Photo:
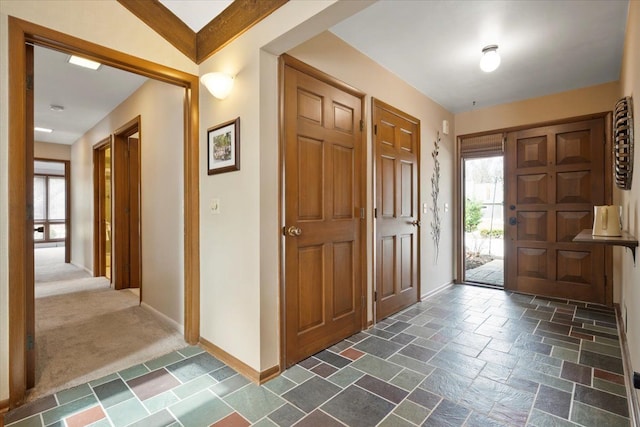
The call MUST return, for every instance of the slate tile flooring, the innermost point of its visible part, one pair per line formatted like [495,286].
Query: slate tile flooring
[467,356]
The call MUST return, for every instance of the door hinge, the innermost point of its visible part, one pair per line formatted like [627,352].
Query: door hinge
[361,125]
[375,212]
[375,296]
[362,301]
[375,129]
[361,213]
[30,343]
[29,81]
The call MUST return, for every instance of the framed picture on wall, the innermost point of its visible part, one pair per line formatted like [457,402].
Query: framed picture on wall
[223,147]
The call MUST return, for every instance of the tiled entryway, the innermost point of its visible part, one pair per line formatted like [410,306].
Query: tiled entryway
[467,356]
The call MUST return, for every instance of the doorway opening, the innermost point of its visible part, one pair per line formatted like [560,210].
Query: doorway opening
[102,208]
[22,36]
[484,220]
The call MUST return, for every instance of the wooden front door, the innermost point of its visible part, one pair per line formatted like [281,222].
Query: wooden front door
[323,190]
[555,175]
[397,171]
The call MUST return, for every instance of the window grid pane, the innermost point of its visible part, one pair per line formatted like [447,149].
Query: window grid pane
[39,197]
[56,198]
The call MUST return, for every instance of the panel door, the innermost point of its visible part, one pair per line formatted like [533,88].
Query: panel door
[323,197]
[555,175]
[397,144]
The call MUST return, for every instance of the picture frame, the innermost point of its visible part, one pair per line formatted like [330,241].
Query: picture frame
[223,147]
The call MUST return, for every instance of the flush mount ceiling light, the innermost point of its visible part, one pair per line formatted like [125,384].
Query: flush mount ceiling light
[43,130]
[54,107]
[84,62]
[490,59]
[218,84]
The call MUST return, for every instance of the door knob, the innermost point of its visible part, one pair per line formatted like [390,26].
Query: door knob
[512,207]
[416,223]
[513,220]
[293,231]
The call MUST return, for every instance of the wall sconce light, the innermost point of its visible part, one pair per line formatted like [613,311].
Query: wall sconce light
[219,84]
[490,59]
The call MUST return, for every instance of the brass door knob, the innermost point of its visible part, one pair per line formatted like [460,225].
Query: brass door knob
[416,223]
[293,231]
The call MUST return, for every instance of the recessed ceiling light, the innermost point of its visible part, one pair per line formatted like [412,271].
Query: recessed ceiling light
[54,107]
[83,62]
[44,130]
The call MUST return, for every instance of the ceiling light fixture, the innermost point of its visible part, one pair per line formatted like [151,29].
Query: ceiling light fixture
[43,130]
[490,59]
[54,107]
[84,62]
[218,84]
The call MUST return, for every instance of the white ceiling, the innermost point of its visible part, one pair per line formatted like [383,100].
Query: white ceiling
[87,96]
[434,45]
[196,13]
[545,46]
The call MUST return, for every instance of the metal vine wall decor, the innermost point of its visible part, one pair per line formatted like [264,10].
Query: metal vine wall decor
[623,142]
[435,192]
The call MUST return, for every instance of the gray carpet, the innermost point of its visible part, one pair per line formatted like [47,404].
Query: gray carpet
[85,330]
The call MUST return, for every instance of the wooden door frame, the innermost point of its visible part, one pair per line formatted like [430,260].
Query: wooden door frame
[286,60]
[98,235]
[20,33]
[607,116]
[67,203]
[120,137]
[375,102]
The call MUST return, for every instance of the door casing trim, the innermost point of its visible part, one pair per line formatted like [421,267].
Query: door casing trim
[20,33]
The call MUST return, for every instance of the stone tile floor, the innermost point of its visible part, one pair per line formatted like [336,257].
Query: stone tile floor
[468,356]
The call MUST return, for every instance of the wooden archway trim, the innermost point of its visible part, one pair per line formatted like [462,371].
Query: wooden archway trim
[20,33]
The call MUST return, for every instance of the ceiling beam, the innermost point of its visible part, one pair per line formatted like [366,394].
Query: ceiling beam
[237,18]
[164,22]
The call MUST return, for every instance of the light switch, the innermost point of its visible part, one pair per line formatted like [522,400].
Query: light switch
[446,207]
[215,206]
[425,208]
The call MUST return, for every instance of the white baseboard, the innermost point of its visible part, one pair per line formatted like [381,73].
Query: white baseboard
[436,291]
[166,319]
[82,267]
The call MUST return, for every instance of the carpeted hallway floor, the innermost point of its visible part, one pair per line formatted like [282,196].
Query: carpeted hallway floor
[85,330]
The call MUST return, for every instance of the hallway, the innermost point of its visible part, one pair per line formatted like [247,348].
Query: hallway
[467,356]
[85,330]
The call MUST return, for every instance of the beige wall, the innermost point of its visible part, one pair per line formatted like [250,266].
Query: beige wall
[239,283]
[574,103]
[160,107]
[92,20]
[626,274]
[47,150]
[330,54]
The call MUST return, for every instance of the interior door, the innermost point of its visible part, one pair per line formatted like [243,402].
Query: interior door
[555,175]
[397,154]
[126,243]
[323,216]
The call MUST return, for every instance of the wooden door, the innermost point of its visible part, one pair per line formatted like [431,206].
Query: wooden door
[323,190]
[555,175]
[126,264]
[397,172]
